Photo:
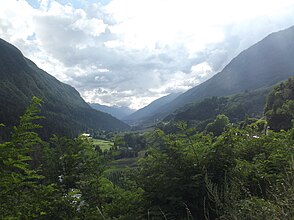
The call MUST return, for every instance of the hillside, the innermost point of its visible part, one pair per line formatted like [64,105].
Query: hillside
[150,110]
[115,111]
[279,109]
[237,107]
[65,111]
[263,64]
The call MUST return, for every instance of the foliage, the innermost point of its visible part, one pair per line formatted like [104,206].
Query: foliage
[279,109]
[122,202]
[236,107]
[218,125]
[102,144]
[59,179]
[20,189]
[239,174]
[127,145]
[170,175]
[227,172]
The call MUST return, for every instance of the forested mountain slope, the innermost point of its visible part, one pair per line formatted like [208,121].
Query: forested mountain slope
[263,64]
[237,107]
[66,113]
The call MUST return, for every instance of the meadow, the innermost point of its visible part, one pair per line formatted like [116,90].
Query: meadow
[103,144]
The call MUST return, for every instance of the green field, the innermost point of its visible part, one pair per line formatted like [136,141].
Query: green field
[103,144]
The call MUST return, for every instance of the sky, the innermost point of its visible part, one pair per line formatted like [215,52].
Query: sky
[131,52]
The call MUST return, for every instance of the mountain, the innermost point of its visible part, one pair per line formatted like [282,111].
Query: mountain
[263,64]
[149,110]
[65,111]
[237,107]
[115,111]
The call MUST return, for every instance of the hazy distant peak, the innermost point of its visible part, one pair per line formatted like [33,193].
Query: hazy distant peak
[116,111]
[151,108]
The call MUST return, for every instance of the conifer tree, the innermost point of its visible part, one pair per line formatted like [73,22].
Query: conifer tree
[18,181]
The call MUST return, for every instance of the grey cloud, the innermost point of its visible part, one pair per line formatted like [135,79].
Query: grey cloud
[129,69]
[134,73]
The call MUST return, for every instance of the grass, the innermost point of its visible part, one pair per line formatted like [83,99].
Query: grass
[103,144]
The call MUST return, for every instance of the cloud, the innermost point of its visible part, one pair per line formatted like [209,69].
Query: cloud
[93,27]
[130,52]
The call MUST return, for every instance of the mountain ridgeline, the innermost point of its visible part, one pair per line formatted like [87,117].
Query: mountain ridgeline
[149,111]
[236,107]
[115,111]
[263,64]
[66,113]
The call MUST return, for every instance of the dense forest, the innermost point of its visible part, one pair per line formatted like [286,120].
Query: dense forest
[243,170]
[238,107]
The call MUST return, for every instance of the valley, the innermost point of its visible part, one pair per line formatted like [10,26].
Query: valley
[223,149]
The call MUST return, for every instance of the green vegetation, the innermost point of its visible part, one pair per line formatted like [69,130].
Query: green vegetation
[124,162]
[236,107]
[102,144]
[219,158]
[218,126]
[228,171]
[280,106]
[58,179]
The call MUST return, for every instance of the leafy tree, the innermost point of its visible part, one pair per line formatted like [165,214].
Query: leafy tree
[239,174]
[260,184]
[75,167]
[172,174]
[279,109]
[218,125]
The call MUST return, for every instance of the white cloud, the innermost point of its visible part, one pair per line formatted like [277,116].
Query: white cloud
[130,52]
[201,69]
[193,24]
[93,27]
[16,20]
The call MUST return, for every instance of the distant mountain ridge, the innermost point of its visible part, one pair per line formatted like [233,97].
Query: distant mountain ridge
[264,64]
[65,111]
[115,111]
[149,110]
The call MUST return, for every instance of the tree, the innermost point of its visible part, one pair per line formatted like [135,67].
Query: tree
[279,109]
[21,193]
[218,125]
[172,175]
